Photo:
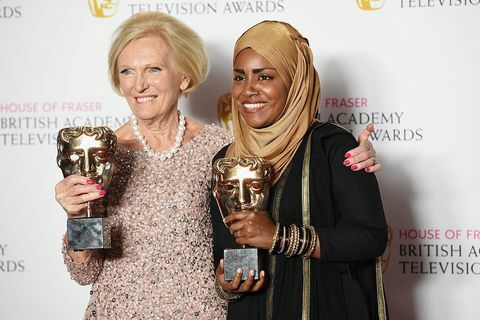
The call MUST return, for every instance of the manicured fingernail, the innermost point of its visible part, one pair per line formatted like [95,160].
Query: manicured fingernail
[251,273]
[347,155]
[354,167]
[98,187]
[346,162]
[103,192]
[367,169]
[239,270]
[262,273]
[89,181]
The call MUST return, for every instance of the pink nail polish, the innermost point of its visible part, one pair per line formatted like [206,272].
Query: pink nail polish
[346,162]
[103,192]
[354,167]
[347,155]
[367,169]
[98,187]
[89,181]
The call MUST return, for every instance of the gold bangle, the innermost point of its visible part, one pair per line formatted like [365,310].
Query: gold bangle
[303,241]
[293,241]
[282,242]
[275,239]
[314,242]
[226,295]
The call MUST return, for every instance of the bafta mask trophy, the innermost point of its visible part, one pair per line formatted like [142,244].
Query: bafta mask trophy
[241,184]
[89,151]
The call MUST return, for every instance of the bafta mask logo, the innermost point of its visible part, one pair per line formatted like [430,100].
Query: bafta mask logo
[241,184]
[224,111]
[89,151]
[370,4]
[103,8]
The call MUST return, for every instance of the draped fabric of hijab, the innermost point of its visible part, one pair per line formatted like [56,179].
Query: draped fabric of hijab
[289,53]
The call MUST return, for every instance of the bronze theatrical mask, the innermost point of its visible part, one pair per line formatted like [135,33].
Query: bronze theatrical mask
[88,151]
[241,184]
[224,111]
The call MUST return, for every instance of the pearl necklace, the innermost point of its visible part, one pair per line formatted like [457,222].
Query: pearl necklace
[164,155]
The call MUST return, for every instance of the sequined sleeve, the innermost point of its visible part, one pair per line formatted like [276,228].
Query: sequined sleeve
[86,272]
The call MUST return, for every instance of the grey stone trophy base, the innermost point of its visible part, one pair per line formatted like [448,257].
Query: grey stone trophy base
[245,258]
[88,233]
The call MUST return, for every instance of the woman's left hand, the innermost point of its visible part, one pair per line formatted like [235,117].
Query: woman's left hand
[253,228]
[364,156]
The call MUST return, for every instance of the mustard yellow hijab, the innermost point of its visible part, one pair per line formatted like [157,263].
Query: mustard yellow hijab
[285,48]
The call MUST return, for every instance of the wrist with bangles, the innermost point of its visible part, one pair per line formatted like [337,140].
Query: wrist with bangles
[293,241]
[226,295]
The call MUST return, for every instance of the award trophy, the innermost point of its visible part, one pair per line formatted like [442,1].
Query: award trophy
[241,184]
[89,151]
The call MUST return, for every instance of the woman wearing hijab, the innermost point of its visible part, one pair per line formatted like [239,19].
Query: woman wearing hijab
[325,225]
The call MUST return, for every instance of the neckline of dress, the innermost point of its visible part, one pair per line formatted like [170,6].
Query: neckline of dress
[181,150]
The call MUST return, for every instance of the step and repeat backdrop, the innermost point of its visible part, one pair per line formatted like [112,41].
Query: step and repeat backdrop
[410,67]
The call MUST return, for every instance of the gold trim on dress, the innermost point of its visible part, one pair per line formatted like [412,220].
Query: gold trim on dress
[272,258]
[382,315]
[306,222]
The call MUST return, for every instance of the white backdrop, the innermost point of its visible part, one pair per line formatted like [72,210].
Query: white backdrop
[411,67]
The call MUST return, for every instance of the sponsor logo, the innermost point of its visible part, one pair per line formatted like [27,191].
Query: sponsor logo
[8,265]
[9,11]
[438,251]
[437,3]
[224,111]
[354,112]
[370,4]
[103,8]
[179,8]
[37,123]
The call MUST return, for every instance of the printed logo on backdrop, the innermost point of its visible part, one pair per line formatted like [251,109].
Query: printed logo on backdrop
[350,112]
[437,3]
[10,10]
[8,264]
[37,123]
[224,111]
[200,7]
[370,4]
[438,251]
[103,8]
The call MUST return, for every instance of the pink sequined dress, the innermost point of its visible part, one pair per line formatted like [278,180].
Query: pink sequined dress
[160,265]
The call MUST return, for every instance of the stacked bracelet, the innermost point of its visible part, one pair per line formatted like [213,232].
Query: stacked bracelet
[276,239]
[293,240]
[226,295]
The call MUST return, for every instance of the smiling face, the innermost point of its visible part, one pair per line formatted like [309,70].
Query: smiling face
[258,89]
[149,79]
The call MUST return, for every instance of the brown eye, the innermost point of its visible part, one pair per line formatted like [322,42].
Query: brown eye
[256,186]
[101,155]
[228,188]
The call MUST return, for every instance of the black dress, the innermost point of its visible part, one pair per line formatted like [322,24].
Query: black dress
[346,210]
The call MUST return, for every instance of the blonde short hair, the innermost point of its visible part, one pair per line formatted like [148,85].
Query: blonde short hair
[187,48]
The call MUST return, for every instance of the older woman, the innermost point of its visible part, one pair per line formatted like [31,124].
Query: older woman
[160,263]
[325,227]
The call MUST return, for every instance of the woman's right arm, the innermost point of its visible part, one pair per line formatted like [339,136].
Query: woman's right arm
[73,193]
